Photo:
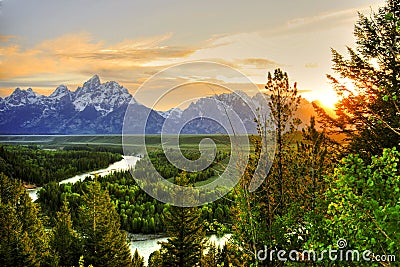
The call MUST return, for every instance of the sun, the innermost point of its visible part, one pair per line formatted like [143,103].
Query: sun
[328,99]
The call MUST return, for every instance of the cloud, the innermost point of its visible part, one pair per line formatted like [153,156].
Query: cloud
[301,46]
[311,65]
[258,63]
[6,38]
[128,52]
[304,21]
[336,16]
[80,55]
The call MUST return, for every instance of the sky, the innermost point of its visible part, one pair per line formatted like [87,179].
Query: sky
[47,43]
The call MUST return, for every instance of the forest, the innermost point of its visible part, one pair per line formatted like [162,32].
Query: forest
[38,166]
[331,197]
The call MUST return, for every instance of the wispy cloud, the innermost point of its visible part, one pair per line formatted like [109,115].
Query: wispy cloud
[258,63]
[311,65]
[305,21]
[79,54]
[336,16]
[6,38]
[300,46]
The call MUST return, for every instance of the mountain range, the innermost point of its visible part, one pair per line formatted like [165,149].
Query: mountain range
[99,108]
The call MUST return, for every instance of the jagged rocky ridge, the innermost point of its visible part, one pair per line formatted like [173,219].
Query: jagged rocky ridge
[99,108]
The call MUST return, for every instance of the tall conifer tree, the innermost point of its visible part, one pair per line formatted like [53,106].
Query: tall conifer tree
[137,260]
[104,244]
[65,240]
[368,83]
[23,239]
[284,102]
[186,235]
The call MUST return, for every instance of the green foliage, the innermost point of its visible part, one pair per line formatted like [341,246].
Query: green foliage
[82,262]
[362,205]
[137,260]
[37,166]
[184,246]
[257,222]
[155,259]
[230,255]
[213,257]
[283,103]
[65,240]
[23,239]
[104,244]
[255,212]
[369,114]
[305,165]
[167,170]
[51,200]
[71,235]
[250,214]
[139,212]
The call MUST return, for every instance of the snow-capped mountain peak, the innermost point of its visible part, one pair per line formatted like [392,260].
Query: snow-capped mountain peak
[175,112]
[103,97]
[22,97]
[93,82]
[93,107]
[60,92]
[100,108]
[17,92]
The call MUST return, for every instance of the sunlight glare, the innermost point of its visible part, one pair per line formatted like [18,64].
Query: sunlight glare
[328,99]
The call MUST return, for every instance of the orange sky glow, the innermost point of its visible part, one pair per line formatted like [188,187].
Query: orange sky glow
[48,50]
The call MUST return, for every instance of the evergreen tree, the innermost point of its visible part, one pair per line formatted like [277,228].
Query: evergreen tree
[50,199]
[65,241]
[231,255]
[284,102]
[16,248]
[212,258]
[103,242]
[250,213]
[186,234]
[255,212]
[305,166]
[369,113]
[268,215]
[23,239]
[313,158]
[137,260]
[155,259]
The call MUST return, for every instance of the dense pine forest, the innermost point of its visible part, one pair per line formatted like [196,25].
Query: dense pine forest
[38,167]
[334,185]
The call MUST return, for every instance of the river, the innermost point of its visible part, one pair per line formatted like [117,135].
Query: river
[145,244]
[124,164]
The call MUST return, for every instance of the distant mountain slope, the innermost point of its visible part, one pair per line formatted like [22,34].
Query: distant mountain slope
[99,108]
[94,108]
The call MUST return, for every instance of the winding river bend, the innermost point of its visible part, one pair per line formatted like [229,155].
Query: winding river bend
[145,244]
[124,164]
